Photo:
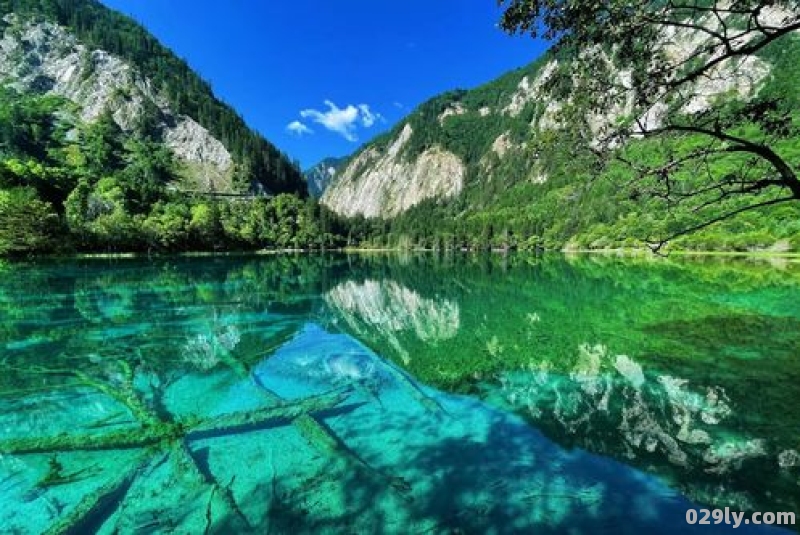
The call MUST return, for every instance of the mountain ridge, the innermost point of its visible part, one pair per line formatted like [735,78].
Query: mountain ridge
[319,176]
[122,148]
[258,164]
[520,177]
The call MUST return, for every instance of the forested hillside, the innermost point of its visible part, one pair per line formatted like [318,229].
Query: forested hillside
[110,143]
[100,28]
[525,177]
[66,187]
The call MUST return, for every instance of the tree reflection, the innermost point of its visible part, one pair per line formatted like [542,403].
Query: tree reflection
[676,395]
[694,379]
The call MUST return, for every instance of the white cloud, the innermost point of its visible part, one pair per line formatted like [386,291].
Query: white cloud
[344,121]
[299,129]
[368,118]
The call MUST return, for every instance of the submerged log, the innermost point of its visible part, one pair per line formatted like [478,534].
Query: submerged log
[97,506]
[125,395]
[324,440]
[117,440]
[283,410]
[139,437]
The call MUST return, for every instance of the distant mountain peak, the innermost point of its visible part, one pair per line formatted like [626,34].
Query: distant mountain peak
[321,175]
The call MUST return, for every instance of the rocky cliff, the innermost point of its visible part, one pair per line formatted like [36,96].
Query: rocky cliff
[486,140]
[44,57]
[101,60]
[320,176]
[379,183]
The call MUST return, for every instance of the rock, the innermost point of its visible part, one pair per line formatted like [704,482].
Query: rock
[379,184]
[43,57]
[528,91]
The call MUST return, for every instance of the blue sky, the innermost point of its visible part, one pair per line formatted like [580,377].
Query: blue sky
[338,71]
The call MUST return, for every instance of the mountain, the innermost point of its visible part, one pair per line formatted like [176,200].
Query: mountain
[496,165]
[109,142]
[102,61]
[320,176]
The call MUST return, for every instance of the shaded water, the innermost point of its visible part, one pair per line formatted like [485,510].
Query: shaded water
[396,394]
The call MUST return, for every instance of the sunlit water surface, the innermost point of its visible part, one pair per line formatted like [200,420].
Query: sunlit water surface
[385,394]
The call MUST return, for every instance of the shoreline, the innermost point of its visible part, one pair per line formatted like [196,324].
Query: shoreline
[633,253]
[684,253]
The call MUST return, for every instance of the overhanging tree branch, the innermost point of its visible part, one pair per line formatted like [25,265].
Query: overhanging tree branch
[787,174]
[676,56]
[657,246]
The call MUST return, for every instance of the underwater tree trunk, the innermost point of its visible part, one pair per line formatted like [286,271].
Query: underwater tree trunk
[91,508]
[282,413]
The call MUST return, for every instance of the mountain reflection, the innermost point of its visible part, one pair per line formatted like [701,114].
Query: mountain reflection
[672,389]
[389,308]
[685,370]
[611,405]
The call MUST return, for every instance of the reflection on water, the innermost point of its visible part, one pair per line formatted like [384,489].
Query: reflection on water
[686,370]
[295,394]
[388,308]
[610,405]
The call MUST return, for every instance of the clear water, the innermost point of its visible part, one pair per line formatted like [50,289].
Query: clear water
[382,394]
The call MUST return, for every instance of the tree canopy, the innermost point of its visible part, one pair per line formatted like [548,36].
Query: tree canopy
[653,63]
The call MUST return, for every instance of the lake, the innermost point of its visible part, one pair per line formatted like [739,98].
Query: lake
[397,394]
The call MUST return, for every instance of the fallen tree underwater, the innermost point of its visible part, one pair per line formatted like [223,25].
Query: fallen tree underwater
[159,438]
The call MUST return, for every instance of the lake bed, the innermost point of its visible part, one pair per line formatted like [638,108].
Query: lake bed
[415,393]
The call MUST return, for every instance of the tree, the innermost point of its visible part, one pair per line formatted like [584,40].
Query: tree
[167,226]
[149,167]
[76,211]
[102,146]
[27,224]
[650,62]
[29,124]
[206,224]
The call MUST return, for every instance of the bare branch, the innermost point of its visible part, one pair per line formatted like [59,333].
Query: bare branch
[656,248]
[746,50]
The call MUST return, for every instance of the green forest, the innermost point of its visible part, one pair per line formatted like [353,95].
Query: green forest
[587,202]
[68,186]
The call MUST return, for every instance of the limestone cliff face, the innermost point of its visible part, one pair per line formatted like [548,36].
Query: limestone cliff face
[320,176]
[467,139]
[381,183]
[44,57]
[394,313]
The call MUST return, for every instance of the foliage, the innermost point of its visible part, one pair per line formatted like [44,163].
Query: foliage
[260,163]
[27,224]
[659,94]
[101,189]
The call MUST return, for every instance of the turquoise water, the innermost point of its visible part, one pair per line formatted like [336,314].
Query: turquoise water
[385,394]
